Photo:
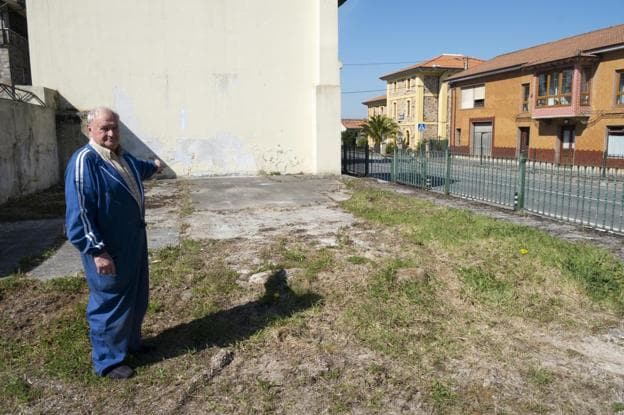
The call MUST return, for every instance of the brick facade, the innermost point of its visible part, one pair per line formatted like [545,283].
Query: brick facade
[541,154]
[504,152]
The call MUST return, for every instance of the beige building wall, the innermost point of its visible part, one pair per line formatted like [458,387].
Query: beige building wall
[426,97]
[213,88]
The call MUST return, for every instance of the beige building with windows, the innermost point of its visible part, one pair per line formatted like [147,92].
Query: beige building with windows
[418,96]
[376,106]
[212,87]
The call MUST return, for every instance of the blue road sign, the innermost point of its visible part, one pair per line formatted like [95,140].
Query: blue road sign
[421,126]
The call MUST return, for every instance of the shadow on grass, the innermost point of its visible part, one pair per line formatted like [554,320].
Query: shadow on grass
[227,327]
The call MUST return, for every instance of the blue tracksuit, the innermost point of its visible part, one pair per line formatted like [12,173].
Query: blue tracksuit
[103,215]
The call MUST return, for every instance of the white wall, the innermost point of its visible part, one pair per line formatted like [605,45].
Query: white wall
[28,152]
[212,87]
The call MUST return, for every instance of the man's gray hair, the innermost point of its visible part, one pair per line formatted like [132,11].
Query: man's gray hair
[95,112]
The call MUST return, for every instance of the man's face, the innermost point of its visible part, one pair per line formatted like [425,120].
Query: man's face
[104,130]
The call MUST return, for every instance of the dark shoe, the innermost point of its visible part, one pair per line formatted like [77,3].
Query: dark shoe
[120,372]
[144,349]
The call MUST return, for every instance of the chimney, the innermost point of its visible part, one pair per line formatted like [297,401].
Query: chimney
[465,63]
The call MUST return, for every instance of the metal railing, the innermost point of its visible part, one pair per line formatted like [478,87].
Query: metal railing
[589,196]
[7,36]
[19,95]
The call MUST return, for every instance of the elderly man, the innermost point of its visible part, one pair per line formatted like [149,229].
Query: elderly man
[105,222]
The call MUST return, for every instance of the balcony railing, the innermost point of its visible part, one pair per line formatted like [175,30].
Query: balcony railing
[19,95]
[8,37]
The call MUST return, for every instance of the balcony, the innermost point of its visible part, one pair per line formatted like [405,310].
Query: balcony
[561,93]
[10,37]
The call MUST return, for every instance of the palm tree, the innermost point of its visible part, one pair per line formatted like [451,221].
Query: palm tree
[379,127]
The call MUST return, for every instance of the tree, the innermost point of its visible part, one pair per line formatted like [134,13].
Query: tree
[349,137]
[379,127]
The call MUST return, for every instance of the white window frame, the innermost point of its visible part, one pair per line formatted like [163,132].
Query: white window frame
[473,96]
[617,149]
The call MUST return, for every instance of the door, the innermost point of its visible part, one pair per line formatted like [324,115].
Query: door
[481,140]
[524,140]
[566,149]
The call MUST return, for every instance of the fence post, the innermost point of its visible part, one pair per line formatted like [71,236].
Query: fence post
[447,179]
[366,160]
[519,202]
[425,175]
[393,171]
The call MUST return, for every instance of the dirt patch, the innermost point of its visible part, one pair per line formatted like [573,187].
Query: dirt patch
[344,314]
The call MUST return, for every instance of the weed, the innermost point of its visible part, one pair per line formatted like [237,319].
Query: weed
[539,376]
[442,396]
[617,407]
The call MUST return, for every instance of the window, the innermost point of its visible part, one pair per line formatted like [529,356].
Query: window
[554,88]
[395,86]
[394,109]
[408,83]
[473,97]
[409,108]
[525,98]
[615,142]
[458,136]
[619,98]
[407,137]
[586,76]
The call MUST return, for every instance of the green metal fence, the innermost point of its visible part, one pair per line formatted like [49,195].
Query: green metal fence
[590,196]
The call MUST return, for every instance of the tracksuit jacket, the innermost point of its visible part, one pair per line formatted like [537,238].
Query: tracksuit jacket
[102,215]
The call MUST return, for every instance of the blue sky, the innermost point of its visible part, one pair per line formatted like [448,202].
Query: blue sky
[409,31]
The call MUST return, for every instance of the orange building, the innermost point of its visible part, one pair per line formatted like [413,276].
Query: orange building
[561,102]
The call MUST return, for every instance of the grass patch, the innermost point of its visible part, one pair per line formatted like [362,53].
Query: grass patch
[357,260]
[397,318]
[185,202]
[63,347]
[499,245]
[15,390]
[66,285]
[486,287]
[46,204]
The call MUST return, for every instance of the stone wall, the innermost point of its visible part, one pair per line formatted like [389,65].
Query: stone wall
[430,109]
[28,149]
[432,85]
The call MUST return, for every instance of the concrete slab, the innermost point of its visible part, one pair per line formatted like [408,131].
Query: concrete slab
[237,193]
[262,207]
[64,263]
[25,239]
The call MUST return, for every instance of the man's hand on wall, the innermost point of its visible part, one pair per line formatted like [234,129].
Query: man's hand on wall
[159,166]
